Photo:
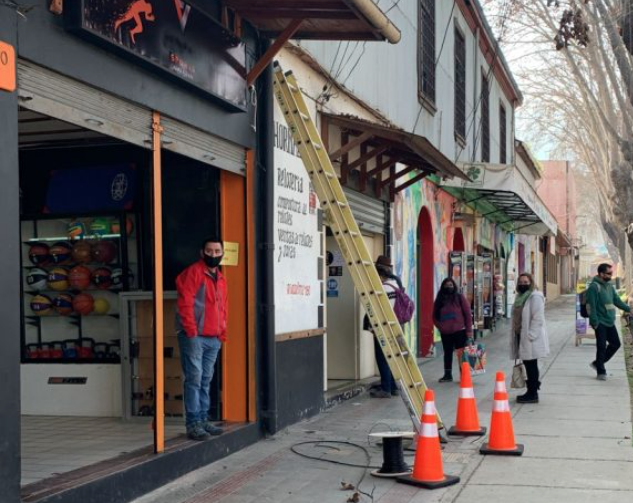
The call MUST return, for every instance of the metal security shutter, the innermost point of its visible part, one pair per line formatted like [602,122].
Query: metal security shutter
[370,213]
[204,147]
[60,97]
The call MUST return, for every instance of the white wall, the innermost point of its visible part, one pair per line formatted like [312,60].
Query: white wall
[386,77]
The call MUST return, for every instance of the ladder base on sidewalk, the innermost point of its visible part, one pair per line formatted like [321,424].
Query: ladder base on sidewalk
[518,451]
[449,480]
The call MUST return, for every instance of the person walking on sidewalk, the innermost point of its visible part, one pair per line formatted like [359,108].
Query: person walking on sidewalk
[452,317]
[529,340]
[390,283]
[201,326]
[602,299]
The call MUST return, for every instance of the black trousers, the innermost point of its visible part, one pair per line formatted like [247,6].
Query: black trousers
[607,344]
[451,342]
[531,369]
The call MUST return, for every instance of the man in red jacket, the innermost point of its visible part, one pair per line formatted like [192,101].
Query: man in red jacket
[201,325]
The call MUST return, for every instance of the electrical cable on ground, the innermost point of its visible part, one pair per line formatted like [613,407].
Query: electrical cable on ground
[365,467]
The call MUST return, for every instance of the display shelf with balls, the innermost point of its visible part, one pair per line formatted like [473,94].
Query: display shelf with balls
[74,268]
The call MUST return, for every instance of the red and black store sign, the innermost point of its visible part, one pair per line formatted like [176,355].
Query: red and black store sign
[172,36]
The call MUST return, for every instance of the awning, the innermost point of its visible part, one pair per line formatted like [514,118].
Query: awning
[381,148]
[320,19]
[503,195]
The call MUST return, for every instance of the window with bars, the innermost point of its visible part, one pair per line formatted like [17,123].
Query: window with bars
[426,50]
[460,84]
[503,140]
[485,119]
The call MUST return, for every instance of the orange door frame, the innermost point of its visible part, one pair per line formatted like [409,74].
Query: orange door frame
[158,297]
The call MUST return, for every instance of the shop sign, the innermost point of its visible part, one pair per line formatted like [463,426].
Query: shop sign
[7,67]
[297,238]
[231,254]
[171,36]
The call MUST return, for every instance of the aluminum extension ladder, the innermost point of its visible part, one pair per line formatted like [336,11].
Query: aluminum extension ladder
[338,215]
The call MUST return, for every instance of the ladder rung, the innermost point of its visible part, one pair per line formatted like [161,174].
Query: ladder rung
[330,175]
[294,89]
[317,146]
[392,323]
[367,262]
[304,116]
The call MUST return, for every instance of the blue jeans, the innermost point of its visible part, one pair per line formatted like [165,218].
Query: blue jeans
[387,382]
[197,356]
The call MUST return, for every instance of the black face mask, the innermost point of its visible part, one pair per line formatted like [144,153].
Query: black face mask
[449,289]
[212,262]
[523,288]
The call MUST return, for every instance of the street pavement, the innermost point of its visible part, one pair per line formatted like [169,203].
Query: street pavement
[577,441]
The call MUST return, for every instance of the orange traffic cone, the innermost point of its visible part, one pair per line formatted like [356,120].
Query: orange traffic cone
[428,471]
[501,440]
[467,422]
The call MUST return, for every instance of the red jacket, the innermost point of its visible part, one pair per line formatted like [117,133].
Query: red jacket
[203,304]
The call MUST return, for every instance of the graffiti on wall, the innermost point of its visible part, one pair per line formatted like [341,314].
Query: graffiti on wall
[407,207]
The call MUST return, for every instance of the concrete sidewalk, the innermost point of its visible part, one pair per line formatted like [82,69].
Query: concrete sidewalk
[577,442]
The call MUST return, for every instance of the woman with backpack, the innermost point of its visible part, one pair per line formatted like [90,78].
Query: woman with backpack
[452,317]
[391,283]
[529,340]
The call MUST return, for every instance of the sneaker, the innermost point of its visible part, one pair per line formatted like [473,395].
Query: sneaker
[593,366]
[197,432]
[379,394]
[446,378]
[211,429]
[602,377]
[527,398]
[395,392]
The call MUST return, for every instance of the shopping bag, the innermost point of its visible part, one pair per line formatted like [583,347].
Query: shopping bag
[518,376]
[474,355]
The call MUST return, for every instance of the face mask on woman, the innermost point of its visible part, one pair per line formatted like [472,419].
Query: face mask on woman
[449,289]
[523,288]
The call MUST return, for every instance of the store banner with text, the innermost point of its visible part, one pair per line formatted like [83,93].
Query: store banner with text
[297,247]
[171,36]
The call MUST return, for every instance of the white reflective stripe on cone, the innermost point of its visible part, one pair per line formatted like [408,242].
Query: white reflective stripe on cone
[500,386]
[466,393]
[501,406]
[429,430]
[429,409]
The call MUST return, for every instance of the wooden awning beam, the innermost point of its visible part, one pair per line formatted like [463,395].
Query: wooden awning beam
[382,165]
[366,157]
[413,180]
[337,154]
[273,50]
[397,175]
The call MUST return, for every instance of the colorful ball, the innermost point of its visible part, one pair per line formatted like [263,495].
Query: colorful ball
[63,304]
[61,253]
[101,306]
[102,278]
[58,279]
[41,305]
[129,226]
[76,230]
[100,226]
[104,251]
[82,252]
[79,277]
[40,254]
[83,303]
[118,277]
[37,279]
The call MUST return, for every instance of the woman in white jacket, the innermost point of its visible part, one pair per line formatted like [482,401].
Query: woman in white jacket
[529,340]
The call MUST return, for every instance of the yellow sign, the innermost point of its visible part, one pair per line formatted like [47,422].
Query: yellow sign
[231,253]
[7,67]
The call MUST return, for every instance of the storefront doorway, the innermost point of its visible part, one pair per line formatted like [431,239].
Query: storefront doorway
[87,373]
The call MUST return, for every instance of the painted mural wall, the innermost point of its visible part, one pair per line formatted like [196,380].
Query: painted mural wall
[407,207]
